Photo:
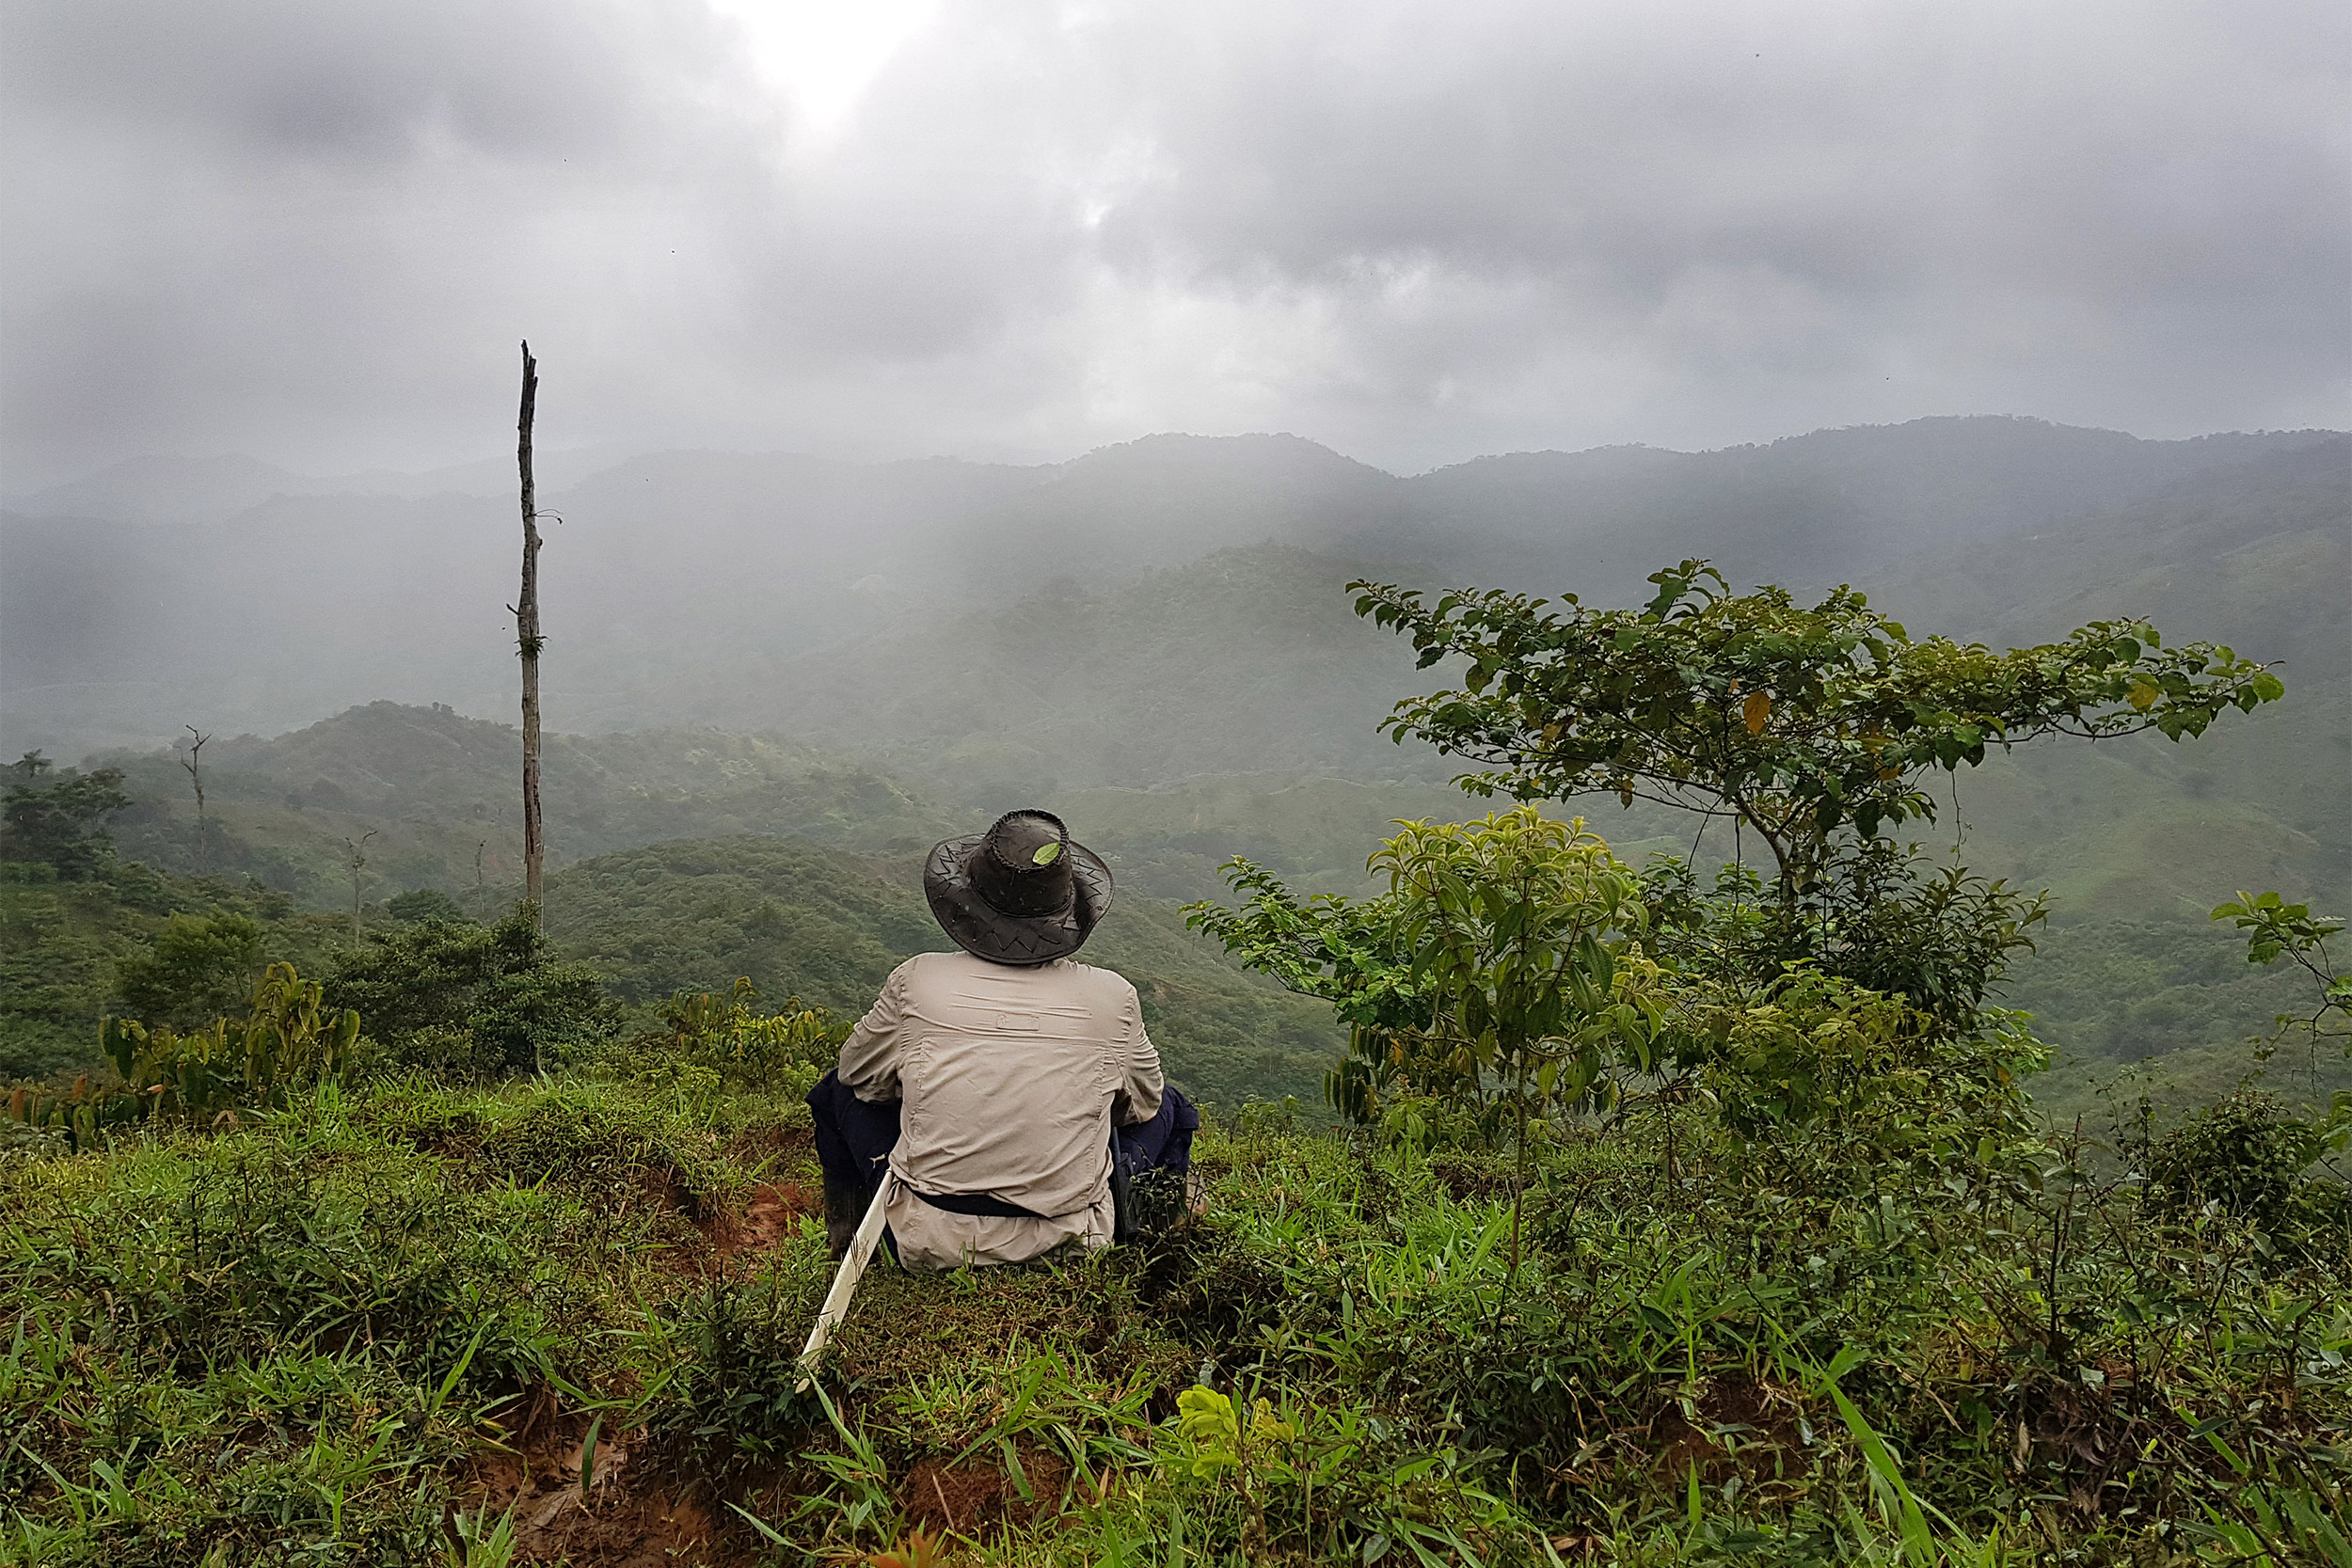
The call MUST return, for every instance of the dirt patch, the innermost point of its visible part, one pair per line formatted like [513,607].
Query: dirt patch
[734,1241]
[669,1193]
[628,1516]
[1743,1426]
[978,1495]
[1472,1179]
[772,1216]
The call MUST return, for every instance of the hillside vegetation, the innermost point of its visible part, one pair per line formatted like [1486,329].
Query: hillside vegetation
[428,1320]
[1684,1211]
[797,920]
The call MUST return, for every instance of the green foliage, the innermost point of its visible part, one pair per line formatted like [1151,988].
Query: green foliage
[2274,930]
[63,946]
[81,1115]
[1797,721]
[60,822]
[201,966]
[1941,940]
[424,903]
[1353,955]
[787,1049]
[2253,1160]
[1516,925]
[288,1041]
[1814,1068]
[500,985]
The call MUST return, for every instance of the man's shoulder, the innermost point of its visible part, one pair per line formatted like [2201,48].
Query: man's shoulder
[1091,978]
[1107,980]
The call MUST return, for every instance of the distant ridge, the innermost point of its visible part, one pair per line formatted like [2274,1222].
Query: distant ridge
[679,586]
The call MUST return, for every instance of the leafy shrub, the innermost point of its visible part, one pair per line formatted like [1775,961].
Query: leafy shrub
[788,1049]
[425,903]
[440,1051]
[58,822]
[202,967]
[499,984]
[1938,939]
[2248,1156]
[288,1040]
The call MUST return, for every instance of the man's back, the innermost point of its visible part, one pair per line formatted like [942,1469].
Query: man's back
[1011,1076]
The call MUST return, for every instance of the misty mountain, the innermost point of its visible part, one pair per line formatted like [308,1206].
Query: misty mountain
[678,586]
[1216,689]
[157,489]
[1246,661]
[437,792]
[1809,511]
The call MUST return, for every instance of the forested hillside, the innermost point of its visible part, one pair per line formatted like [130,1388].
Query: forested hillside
[1226,700]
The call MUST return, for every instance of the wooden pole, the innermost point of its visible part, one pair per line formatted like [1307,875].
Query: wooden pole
[528,641]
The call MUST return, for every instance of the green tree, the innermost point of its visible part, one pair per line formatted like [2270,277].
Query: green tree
[1350,953]
[498,983]
[1795,723]
[2277,929]
[202,967]
[1497,974]
[1517,924]
[60,822]
[424,903]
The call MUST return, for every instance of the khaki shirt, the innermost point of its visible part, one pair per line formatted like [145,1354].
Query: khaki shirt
[1011,1076]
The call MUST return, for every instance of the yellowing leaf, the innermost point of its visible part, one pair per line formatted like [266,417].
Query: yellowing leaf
[1266,1427]
[1755,710]
[2141,696]
[1047,854]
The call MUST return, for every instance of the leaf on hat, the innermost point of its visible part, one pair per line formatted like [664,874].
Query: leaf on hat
[1047,853]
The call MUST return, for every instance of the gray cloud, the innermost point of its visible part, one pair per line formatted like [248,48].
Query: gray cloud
[1415,231]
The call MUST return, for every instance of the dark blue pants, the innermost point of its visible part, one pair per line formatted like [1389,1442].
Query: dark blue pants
[855,1139]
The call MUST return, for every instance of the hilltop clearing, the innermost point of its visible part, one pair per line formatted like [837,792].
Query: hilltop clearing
[424,1323]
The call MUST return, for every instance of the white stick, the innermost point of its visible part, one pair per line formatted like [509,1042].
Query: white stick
[845,1280]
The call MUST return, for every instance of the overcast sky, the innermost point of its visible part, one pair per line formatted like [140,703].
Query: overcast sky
[312,229]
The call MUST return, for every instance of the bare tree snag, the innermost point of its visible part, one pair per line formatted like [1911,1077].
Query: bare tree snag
[528,641]
[359,859]
[195,765]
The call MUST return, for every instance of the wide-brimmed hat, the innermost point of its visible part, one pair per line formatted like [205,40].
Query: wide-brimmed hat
[1021,892]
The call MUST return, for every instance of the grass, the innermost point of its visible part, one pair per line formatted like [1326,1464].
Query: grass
[408,1322]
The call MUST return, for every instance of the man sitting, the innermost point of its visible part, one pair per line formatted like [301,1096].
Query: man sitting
[1001,1092]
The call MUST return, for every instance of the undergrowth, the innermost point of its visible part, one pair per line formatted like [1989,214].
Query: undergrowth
[341,1333]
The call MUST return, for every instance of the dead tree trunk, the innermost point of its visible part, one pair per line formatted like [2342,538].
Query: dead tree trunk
[528,641]
[358,860]
[195,765]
